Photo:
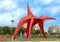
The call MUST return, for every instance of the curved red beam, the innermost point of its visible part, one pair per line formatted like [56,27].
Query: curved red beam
[31,20]
[21,22]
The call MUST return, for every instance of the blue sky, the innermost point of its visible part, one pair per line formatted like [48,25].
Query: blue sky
[16,9]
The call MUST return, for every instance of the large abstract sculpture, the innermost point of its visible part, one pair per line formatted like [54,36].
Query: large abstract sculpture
[31,20]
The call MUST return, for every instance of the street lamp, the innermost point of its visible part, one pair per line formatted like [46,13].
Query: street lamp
[12,25]
[11,29]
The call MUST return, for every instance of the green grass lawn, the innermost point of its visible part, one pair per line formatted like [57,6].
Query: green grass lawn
[33,39]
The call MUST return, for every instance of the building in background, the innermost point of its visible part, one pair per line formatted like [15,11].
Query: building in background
[54,31]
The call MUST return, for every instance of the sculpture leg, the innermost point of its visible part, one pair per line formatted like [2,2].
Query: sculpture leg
[29,31]
[25,34]
[24,20]
[42,29]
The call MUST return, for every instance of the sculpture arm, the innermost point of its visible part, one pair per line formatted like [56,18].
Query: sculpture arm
[46,18]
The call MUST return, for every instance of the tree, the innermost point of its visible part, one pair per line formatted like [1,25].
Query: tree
[22,30]
[6,30]
[1,32]
[33,31]
[38,31]
[13,29]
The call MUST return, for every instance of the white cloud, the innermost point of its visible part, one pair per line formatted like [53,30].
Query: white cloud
[48,6]
[52,10]
[18,12]
[35,11]
[7,4]
[5,18]
[45,1]
[55,10]
[48,1]
[15,14]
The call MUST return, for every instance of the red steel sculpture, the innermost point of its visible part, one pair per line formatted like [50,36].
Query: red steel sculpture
[31,20]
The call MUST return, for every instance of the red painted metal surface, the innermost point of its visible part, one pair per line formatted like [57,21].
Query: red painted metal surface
[31,20]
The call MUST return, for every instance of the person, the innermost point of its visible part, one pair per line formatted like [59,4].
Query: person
[24,35]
